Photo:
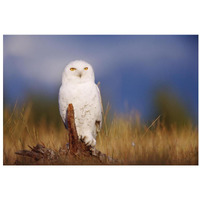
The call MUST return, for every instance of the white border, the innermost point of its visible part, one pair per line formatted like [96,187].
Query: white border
[102,17]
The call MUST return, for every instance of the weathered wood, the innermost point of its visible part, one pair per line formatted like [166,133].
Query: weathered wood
[75,145]
[39,152]
[73,137]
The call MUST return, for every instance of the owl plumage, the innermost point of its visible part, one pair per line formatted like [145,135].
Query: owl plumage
[79,88]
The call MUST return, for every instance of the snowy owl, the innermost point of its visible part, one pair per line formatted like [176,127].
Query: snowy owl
[79,88]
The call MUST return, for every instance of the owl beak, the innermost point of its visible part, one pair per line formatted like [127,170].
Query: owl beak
[80,74]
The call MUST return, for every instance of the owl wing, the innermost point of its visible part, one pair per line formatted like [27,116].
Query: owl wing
[98,122]
[63,104]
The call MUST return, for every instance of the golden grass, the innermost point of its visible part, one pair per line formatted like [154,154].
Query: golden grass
[125,138]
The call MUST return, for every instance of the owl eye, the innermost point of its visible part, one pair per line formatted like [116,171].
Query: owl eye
[86,68]
[72,69]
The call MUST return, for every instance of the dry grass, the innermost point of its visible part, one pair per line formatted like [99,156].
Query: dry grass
[154,144]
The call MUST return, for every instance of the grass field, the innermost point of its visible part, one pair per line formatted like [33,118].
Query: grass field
[123,137]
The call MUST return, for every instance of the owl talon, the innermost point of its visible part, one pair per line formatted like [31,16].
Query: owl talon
[89,141]
[82,138]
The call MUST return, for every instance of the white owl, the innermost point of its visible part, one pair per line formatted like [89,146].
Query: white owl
[79,88]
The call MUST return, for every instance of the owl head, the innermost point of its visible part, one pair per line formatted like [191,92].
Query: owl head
[78,71]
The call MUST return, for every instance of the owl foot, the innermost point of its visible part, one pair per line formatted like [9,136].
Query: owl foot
[89,141]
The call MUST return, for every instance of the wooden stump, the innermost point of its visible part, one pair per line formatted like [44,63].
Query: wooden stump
[75,145]
[77,153]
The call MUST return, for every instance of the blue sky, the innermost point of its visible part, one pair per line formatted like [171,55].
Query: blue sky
[130,68]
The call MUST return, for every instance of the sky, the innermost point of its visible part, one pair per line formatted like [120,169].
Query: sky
[129,67]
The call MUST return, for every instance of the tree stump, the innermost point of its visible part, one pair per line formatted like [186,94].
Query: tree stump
[77,153]
[75,145]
